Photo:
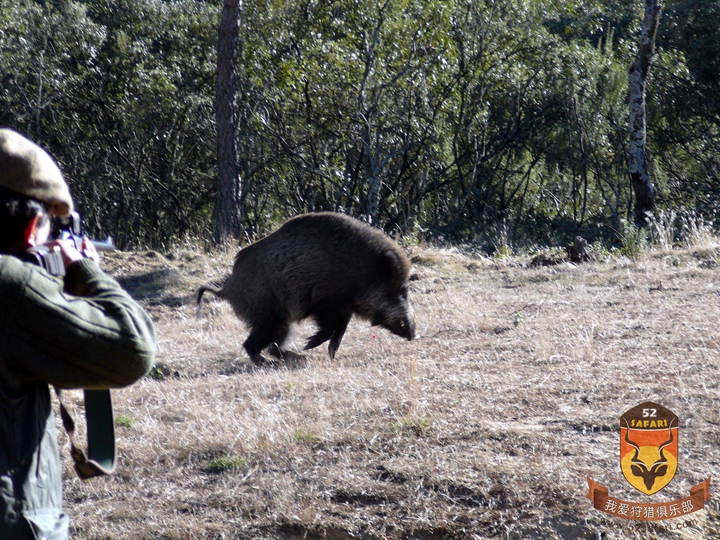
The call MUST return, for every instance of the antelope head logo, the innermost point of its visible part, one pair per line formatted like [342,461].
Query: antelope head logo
[639,467]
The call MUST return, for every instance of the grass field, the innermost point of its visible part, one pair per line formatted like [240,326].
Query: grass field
[486,426]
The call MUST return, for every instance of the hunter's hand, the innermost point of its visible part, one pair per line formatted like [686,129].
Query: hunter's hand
[70,254]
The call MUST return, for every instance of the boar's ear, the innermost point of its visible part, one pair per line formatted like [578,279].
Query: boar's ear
[389,263]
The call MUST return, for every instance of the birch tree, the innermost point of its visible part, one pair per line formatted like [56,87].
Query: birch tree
[641,182]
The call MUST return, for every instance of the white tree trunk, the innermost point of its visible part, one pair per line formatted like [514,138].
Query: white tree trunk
[637,162]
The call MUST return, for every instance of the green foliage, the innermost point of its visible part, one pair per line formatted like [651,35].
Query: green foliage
[124,421]
[224,464]
[499,123]
[685,114]
[121,94]
[633,240]
[305,436]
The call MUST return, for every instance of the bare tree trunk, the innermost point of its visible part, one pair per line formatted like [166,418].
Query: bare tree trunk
[641,183]
[227,208]
[371,177]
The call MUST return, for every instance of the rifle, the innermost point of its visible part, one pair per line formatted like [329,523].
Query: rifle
[63,228]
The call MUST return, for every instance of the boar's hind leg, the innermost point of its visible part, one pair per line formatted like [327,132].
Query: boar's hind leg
[270,332]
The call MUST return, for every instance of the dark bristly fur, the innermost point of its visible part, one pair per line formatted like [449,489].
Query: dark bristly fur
[326,266]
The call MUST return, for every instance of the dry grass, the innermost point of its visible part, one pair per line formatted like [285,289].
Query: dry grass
[484,427]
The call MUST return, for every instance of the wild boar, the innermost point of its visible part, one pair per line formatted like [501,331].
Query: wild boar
[325,266]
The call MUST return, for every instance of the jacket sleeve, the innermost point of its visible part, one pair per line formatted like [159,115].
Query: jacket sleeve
[84,333]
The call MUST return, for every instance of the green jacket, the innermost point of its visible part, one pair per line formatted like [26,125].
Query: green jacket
[83,332]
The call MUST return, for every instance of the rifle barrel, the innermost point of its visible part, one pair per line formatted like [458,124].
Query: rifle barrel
[106,245]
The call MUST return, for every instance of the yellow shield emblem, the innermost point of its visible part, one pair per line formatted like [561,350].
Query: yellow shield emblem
[649,446]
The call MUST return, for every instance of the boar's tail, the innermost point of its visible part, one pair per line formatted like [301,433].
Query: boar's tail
[199,296]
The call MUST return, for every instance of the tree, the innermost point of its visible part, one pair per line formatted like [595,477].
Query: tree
[637,80]
[227,207]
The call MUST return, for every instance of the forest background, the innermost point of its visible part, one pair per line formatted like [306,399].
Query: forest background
[491,123]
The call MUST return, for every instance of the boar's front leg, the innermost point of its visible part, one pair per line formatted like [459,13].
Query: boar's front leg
[332,326]
[338,335]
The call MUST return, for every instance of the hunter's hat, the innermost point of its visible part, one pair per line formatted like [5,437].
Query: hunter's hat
[29,170]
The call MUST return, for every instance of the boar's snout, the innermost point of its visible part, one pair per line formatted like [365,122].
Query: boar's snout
[403,328]
[401,324]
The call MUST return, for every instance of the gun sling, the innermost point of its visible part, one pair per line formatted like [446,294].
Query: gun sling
[100,459]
